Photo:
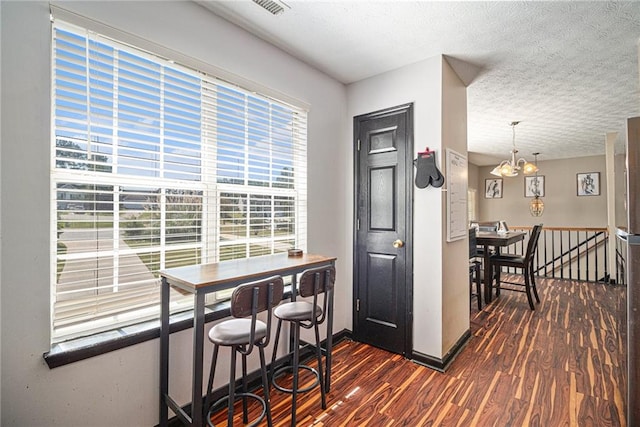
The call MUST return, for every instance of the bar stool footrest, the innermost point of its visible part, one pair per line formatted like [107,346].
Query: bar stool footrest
[215,407]
[290,368]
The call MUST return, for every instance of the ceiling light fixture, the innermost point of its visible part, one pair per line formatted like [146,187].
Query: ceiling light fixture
[275,7]
[511,167]
[536,207]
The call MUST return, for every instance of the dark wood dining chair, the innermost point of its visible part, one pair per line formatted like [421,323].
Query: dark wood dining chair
[485,226]
[474,269]
[523,262]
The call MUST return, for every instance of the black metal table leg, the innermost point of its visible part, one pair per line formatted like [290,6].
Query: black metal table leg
[198,349]
[164,352]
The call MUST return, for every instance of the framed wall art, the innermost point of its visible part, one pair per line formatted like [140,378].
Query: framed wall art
[493,188]
[588,184]
[534,186]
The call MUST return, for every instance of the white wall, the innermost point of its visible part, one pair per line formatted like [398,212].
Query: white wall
[121,387]
[455,255]
[474,172]
[0,234]
[422,84]
[620,165]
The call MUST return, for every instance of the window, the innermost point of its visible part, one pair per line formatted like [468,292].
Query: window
[471,204]
[156,165]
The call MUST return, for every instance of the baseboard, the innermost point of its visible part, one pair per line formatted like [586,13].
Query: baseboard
[438,364]
[255,378]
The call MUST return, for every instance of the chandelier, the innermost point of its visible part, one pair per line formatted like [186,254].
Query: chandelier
[511,167]
[536,207]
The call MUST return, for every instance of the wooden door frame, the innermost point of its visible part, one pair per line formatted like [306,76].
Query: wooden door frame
[409,178]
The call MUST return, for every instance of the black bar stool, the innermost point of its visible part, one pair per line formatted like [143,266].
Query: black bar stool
[241,334]
[305,314]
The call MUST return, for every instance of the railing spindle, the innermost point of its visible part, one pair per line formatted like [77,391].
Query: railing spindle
[578,256]
[553,254]
[595,259]
[545,252]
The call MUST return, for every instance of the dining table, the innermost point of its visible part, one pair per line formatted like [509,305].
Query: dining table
[202,279]
[496,240]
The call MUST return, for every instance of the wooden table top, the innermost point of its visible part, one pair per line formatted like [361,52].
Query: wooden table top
[244,269]
[493,238]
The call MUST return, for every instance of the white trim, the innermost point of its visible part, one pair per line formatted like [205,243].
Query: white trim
[59,12]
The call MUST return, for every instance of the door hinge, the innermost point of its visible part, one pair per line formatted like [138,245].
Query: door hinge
[358,304]
[358,145]
[358,224]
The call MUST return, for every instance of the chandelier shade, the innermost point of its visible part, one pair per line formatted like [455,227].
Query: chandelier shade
[511,167]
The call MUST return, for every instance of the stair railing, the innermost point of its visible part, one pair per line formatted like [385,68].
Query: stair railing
[569,253]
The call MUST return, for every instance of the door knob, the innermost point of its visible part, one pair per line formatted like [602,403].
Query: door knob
[398,244]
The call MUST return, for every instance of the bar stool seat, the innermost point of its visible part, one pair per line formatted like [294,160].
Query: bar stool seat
[242,334]
[297,311]
[236,332]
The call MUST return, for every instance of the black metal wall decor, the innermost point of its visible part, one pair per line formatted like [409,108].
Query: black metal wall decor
[427,172]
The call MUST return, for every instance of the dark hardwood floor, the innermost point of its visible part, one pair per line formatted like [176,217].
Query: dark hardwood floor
[561,365]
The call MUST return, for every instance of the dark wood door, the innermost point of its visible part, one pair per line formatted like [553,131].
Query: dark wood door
[383,208]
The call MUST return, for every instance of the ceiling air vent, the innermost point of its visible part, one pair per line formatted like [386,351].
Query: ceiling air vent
[275,7]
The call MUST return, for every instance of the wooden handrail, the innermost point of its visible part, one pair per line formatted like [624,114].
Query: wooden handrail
[528,227]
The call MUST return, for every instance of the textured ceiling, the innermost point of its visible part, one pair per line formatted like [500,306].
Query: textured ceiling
[567,70]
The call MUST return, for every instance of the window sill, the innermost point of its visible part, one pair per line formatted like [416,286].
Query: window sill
[78,349]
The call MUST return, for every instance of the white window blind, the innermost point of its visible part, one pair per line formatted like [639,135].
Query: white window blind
[156,165]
